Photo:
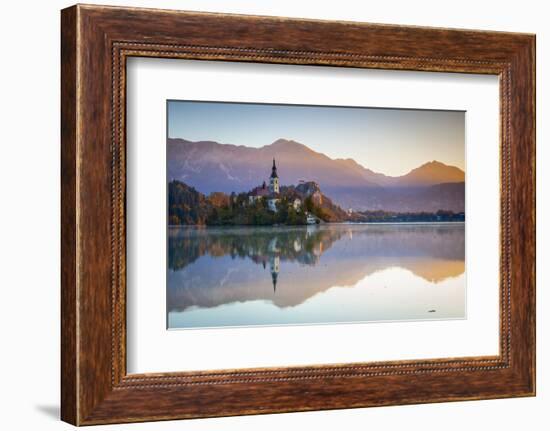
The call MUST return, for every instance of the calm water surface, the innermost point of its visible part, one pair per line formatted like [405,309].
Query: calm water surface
[242,276]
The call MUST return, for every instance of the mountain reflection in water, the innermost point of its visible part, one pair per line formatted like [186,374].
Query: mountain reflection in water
[317,274]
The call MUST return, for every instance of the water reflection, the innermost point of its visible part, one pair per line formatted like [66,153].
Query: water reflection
[314,274]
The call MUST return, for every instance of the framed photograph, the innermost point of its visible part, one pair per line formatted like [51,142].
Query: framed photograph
[277,232]
[263,214]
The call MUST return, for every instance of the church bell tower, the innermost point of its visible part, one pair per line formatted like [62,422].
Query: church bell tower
[274,180]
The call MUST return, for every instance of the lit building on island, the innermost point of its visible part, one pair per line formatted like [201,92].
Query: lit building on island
[271,192]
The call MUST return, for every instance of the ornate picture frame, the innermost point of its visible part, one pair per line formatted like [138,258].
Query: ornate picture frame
[96,42]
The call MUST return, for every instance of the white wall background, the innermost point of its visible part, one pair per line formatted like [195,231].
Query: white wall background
[29,215]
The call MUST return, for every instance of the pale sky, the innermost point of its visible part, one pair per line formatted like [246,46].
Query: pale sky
[390,141]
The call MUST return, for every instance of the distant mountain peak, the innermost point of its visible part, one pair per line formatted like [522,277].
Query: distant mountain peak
[434,172]
[289,147]
[283,141]
[434,163]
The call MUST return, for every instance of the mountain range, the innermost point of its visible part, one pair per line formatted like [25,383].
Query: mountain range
[213,167]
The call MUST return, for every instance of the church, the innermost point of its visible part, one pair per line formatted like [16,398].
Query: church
[271,192]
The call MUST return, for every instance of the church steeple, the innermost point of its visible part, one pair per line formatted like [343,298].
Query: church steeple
[274,170]
[274,180]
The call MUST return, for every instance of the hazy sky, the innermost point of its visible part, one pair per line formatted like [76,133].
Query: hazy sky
[390,141]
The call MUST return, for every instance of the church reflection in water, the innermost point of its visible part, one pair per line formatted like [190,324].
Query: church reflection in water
[260,270]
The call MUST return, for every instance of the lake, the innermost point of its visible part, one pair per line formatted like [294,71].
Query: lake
[330,273]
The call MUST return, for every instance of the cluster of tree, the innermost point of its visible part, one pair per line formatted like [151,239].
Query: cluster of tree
[380,216]
[239,211]
[186,205]
[325,210]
